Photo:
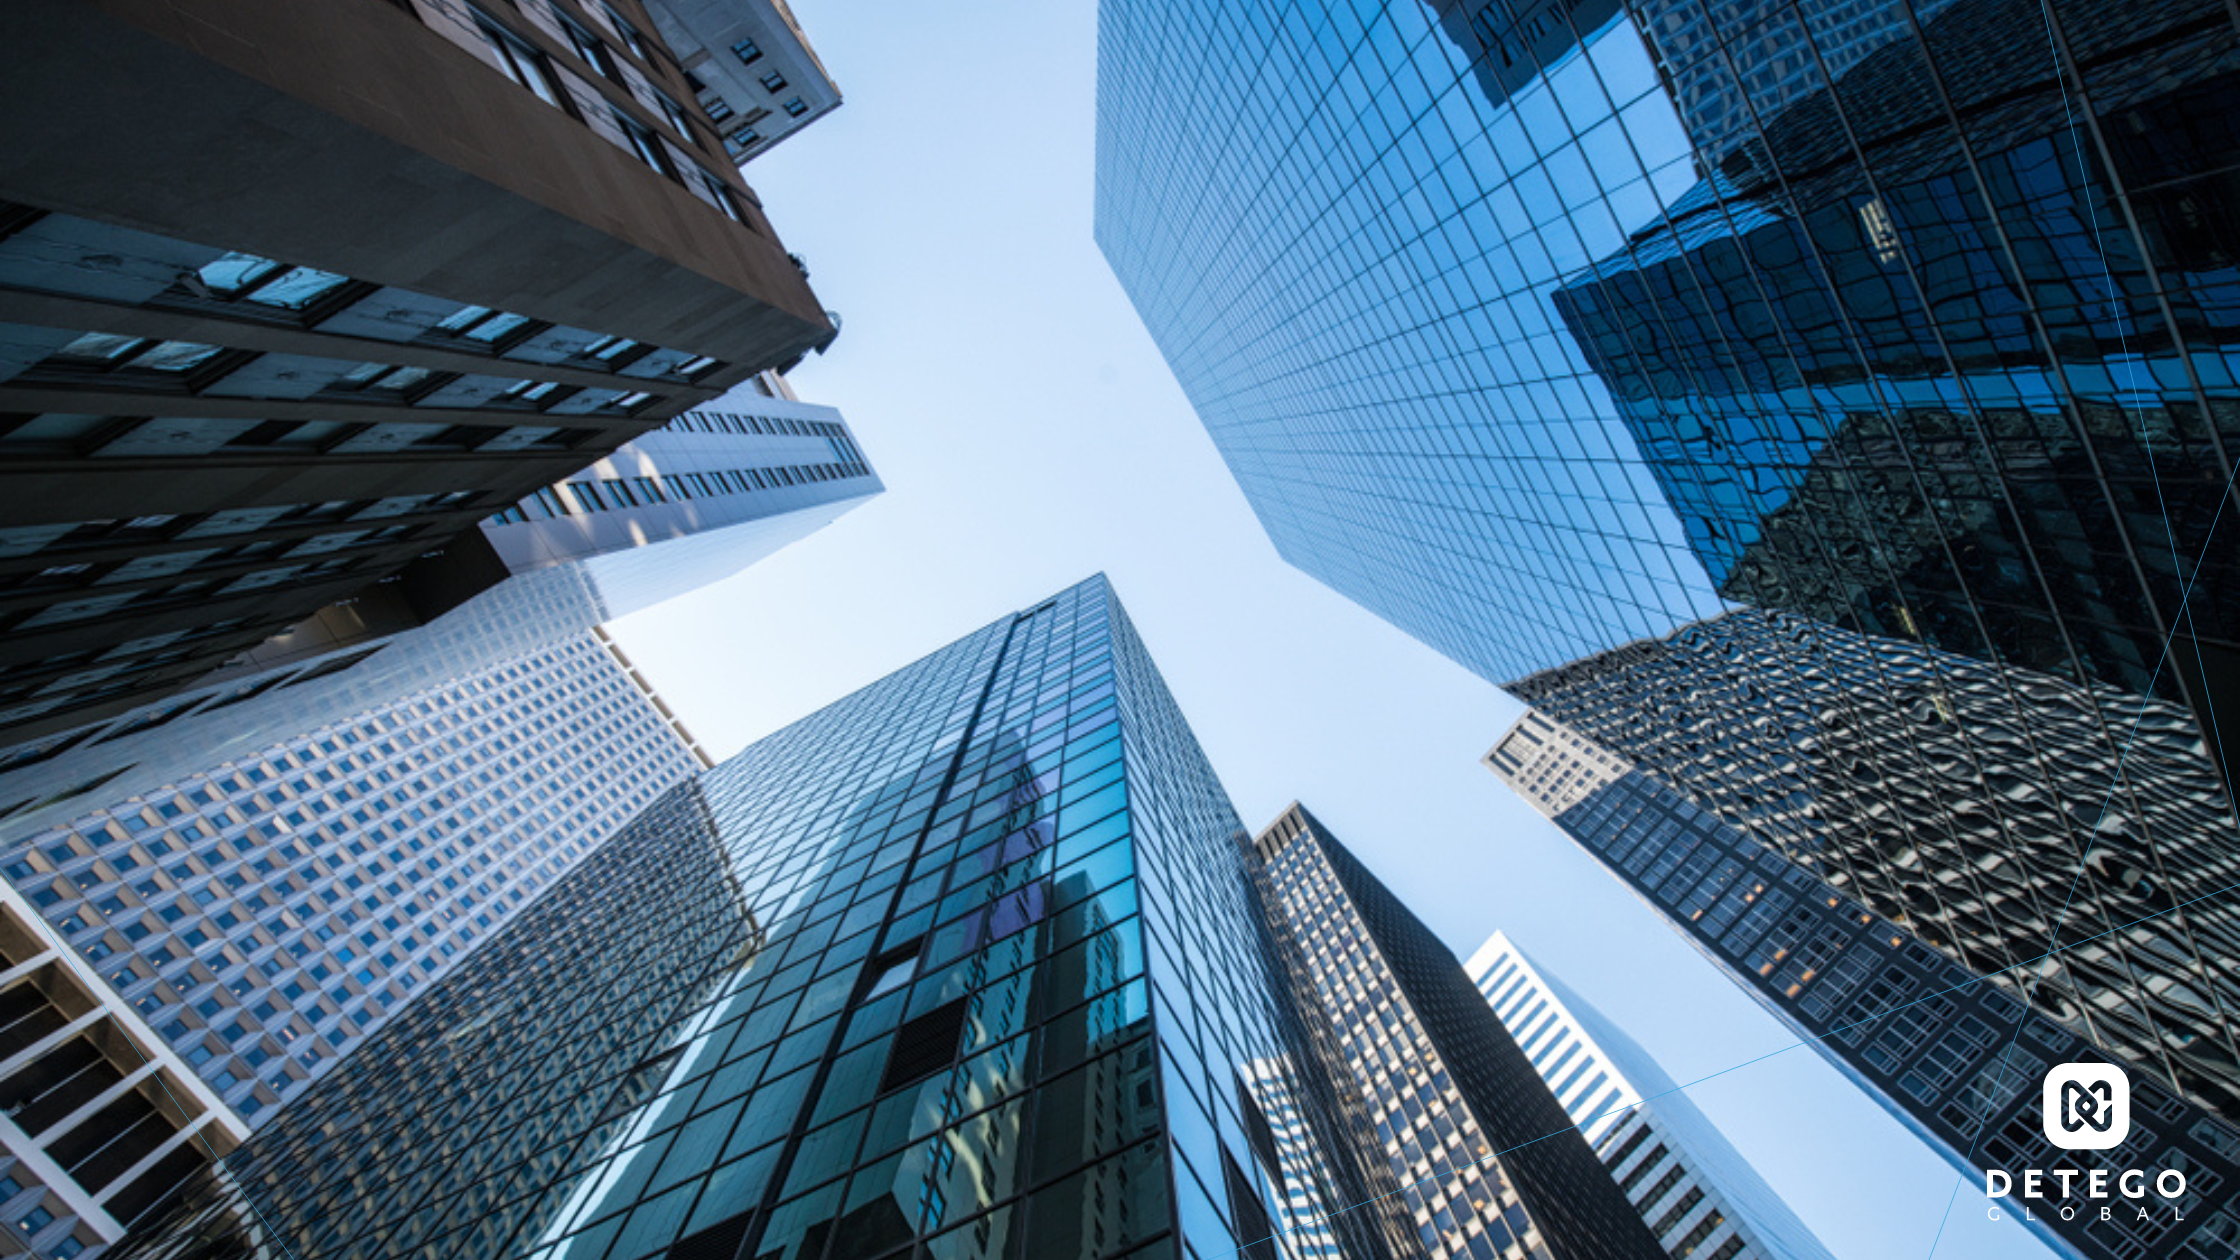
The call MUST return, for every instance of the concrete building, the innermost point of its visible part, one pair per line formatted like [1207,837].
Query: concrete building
[1485,1163]
[250,924]
[752,67]
[103,1118]
[391,267]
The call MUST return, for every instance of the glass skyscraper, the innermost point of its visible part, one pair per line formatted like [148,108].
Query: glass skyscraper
[1348,248]
[1539,329]
[1950,1055]
[1842,384]
[965,965]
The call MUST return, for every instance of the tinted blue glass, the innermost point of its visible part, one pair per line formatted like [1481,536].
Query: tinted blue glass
[865,983]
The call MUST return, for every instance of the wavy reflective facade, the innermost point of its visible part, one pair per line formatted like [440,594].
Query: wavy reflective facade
[1997,814]
[965,965]
[1952,1056]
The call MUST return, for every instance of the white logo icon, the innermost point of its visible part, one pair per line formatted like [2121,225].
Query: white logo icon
[2087,1106]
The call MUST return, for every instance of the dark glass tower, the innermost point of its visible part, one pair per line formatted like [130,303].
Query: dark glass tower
[1952,1056]
[1941,349]
[966,963]
[1913,781]
[1488,1163]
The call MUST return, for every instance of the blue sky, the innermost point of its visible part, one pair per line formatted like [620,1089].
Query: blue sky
[1029,434]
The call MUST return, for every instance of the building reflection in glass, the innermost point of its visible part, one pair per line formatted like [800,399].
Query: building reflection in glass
[965,962]
[1942,349]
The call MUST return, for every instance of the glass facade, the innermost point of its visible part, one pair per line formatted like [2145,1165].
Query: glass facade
[1827,406]
[1940,795]
[965,965]
[1538,338]
[1642,1127]
[1941,350]
[1951,1055]
[1487,1164]
[1349,249]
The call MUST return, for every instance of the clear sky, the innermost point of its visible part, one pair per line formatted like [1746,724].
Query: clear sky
[1029,435]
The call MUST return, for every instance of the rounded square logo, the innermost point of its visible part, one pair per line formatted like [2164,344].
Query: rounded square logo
[2087,1106]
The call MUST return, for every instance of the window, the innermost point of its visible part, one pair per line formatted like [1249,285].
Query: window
[482,325]
[747,52]
[631,35]
[106,351]
[235,274]
[608,350]
[773,81]
[718,108]
[296,288]
[383,378]
[795,109]
[720,194]
[527,392]
[674,113]
[746,137]
[644,143]
[521,61]
[593,50]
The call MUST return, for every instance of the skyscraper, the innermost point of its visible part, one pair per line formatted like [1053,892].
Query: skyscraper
[103,1118]
[1540,332]
[1901,318]
[967,959]
[739,478]
[1949,1054]
[1350,256]
[1487,1163]
[1932,356]
[391,267]
[252,923]
[1994,821]
[1671,1162]
[705,496]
